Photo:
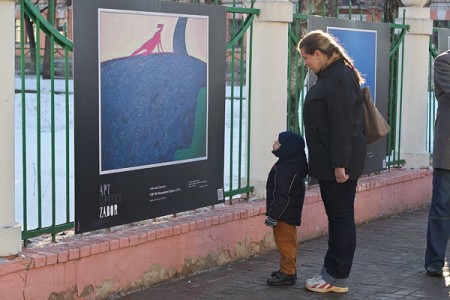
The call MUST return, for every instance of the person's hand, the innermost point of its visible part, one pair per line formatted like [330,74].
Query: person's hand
[340,175]
[270,222]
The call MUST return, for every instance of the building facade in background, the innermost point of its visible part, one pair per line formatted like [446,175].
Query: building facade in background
[366,10]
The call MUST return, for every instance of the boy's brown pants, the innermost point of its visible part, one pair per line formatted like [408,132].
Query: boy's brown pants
[285,236]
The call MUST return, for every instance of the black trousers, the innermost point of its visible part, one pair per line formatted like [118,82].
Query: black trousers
[339,200]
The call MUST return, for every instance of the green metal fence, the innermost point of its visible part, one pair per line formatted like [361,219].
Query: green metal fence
[237,164]
[398,32]
[46,143]
[52,187]
[42,199]
[297,88]
[296,74]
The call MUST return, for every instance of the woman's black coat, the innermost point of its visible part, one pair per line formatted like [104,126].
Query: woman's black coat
[334,124]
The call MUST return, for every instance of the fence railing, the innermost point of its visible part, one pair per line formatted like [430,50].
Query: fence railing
[396,56]
[296,74]
[238,102]
[51,133]
[46,120]
[46,115]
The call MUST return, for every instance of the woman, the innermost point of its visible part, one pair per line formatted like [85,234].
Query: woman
[333,120]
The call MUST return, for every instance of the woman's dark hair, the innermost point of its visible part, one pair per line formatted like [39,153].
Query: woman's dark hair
[328,45]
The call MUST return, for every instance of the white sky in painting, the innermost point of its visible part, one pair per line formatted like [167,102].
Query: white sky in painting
[122,32]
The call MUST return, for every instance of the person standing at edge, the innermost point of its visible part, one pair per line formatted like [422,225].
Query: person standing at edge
[334,131]
[284,202]
[439,216]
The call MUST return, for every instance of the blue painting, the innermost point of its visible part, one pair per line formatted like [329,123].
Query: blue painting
[361,45]
[153,90]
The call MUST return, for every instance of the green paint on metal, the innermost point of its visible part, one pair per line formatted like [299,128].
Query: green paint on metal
[24,149]
[55,38]
[34,13]
[38,139]
[240,34]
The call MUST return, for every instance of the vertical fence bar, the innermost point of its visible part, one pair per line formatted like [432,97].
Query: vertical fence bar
[24,150]
[233,31]
[52,122]
[249,98]
[293,92]
[350,10]
[66,87]
[38,129]
[401,95]
[391,135]
[297,91]
[241,89]
[360,11]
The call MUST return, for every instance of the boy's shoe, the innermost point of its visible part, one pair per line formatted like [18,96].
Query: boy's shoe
[319,285]
[274,273]
[281,278]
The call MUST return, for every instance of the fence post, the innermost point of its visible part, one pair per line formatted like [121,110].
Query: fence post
[415,83]
[10,230]
[268,115]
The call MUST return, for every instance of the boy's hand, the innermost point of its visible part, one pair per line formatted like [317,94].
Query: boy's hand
[270,222]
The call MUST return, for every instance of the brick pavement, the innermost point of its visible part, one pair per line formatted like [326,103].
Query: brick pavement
[388,264]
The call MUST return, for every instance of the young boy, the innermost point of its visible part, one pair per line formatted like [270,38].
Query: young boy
[285,194]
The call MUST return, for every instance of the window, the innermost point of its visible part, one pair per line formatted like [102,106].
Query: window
[18,37]
[17,31]
[60,24]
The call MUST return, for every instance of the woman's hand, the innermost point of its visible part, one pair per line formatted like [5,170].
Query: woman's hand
[340,175]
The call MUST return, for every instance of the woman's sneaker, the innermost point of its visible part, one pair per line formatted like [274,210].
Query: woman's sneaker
[319,285]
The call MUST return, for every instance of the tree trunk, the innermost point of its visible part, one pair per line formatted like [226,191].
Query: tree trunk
[390,9]
[300,28]
[46,71]
[332,8]
[32,42]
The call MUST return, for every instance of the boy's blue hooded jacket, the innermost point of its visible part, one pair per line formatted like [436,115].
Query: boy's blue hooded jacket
[286,181]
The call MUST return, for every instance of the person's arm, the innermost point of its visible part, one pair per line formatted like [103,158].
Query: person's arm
[341,98]
[442,73]
[282,185]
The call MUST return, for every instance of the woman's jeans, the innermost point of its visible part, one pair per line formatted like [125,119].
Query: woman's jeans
[438,219]
[339,200]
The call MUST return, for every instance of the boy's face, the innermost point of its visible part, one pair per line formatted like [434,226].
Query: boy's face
[276,145]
